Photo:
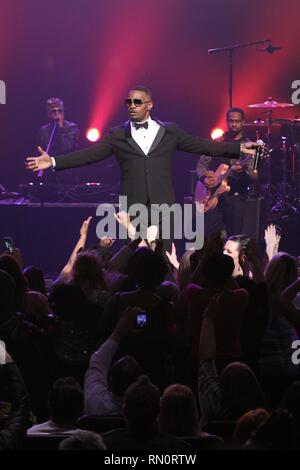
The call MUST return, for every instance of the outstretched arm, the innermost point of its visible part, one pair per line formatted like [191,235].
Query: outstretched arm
[79,246]
[193,144]
[95,153]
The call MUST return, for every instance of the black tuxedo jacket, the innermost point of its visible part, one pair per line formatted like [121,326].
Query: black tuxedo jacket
[146,178]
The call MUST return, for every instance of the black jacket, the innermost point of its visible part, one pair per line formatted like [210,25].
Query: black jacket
[146,178]
[18,420]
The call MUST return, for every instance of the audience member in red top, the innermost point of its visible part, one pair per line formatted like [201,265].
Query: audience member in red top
[216,271]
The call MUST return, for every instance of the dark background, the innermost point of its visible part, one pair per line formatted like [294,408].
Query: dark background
[89,52]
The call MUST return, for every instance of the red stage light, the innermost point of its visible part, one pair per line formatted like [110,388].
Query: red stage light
[216,133]
[92,134]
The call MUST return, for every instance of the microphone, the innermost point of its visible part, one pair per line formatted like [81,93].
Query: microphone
[214,51]
[258,154]
[270,49]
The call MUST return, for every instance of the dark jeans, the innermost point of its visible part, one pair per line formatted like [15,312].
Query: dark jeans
[228,216]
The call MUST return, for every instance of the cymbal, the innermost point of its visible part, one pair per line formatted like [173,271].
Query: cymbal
[261,123]
[291,121]
[270,104]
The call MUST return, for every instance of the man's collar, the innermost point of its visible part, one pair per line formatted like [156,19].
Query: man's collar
[141,122]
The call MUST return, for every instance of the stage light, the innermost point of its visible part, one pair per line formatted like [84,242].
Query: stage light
[216,133]
[92,134]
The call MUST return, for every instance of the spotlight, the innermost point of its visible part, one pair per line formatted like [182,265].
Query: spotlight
[92,134]
[216,133]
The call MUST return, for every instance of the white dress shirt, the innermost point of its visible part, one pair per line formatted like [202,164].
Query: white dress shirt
[145,137]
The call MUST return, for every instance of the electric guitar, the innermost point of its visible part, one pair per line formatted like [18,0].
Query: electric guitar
[209,197]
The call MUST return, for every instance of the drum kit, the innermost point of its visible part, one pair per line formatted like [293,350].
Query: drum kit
[279,181]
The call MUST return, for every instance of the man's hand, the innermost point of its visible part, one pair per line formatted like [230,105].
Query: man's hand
[249,148]
[126,326]
[39,163]
[210,180]
[85,227]
[60,120]
[237,167]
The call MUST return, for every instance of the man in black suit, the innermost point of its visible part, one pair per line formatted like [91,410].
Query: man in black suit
[144,148]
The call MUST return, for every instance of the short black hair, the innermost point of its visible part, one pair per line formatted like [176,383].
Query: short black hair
[147,268]
[65,401]
[144,89]
[123,373]
[217,268]
[142,406]
[235,110]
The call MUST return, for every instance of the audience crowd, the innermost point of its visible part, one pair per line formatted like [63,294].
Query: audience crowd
[137,349]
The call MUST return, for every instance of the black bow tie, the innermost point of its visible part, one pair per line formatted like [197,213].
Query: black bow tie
[139,126]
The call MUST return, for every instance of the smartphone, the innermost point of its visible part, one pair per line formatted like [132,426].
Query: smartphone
[9,245]
[141,319]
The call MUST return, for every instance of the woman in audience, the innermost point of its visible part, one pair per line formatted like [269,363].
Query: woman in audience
[32,304]
[87,274]
[236,391]
[248,424]
[178,412]
[277,370]
[216,271]
[233,247]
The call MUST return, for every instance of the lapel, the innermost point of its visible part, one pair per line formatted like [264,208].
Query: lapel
[129,138]
[159,135]
[161,132]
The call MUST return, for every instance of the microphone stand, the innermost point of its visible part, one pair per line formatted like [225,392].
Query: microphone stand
[40,173]
[230,50]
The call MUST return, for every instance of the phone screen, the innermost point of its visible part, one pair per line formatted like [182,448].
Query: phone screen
[9,244]
[141,319]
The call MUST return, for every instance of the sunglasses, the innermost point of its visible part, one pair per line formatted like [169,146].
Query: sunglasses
[135,101]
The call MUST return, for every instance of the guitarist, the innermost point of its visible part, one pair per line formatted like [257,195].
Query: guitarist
[230,209]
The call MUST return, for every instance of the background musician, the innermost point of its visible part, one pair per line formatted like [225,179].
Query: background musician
[229,212]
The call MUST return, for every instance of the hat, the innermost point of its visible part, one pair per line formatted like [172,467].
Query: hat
[52,103]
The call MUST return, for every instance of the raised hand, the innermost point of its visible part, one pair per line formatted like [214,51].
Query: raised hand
[172,257]
[43,162]
[272,239]
[123,218]
[85,227]
[106,242]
